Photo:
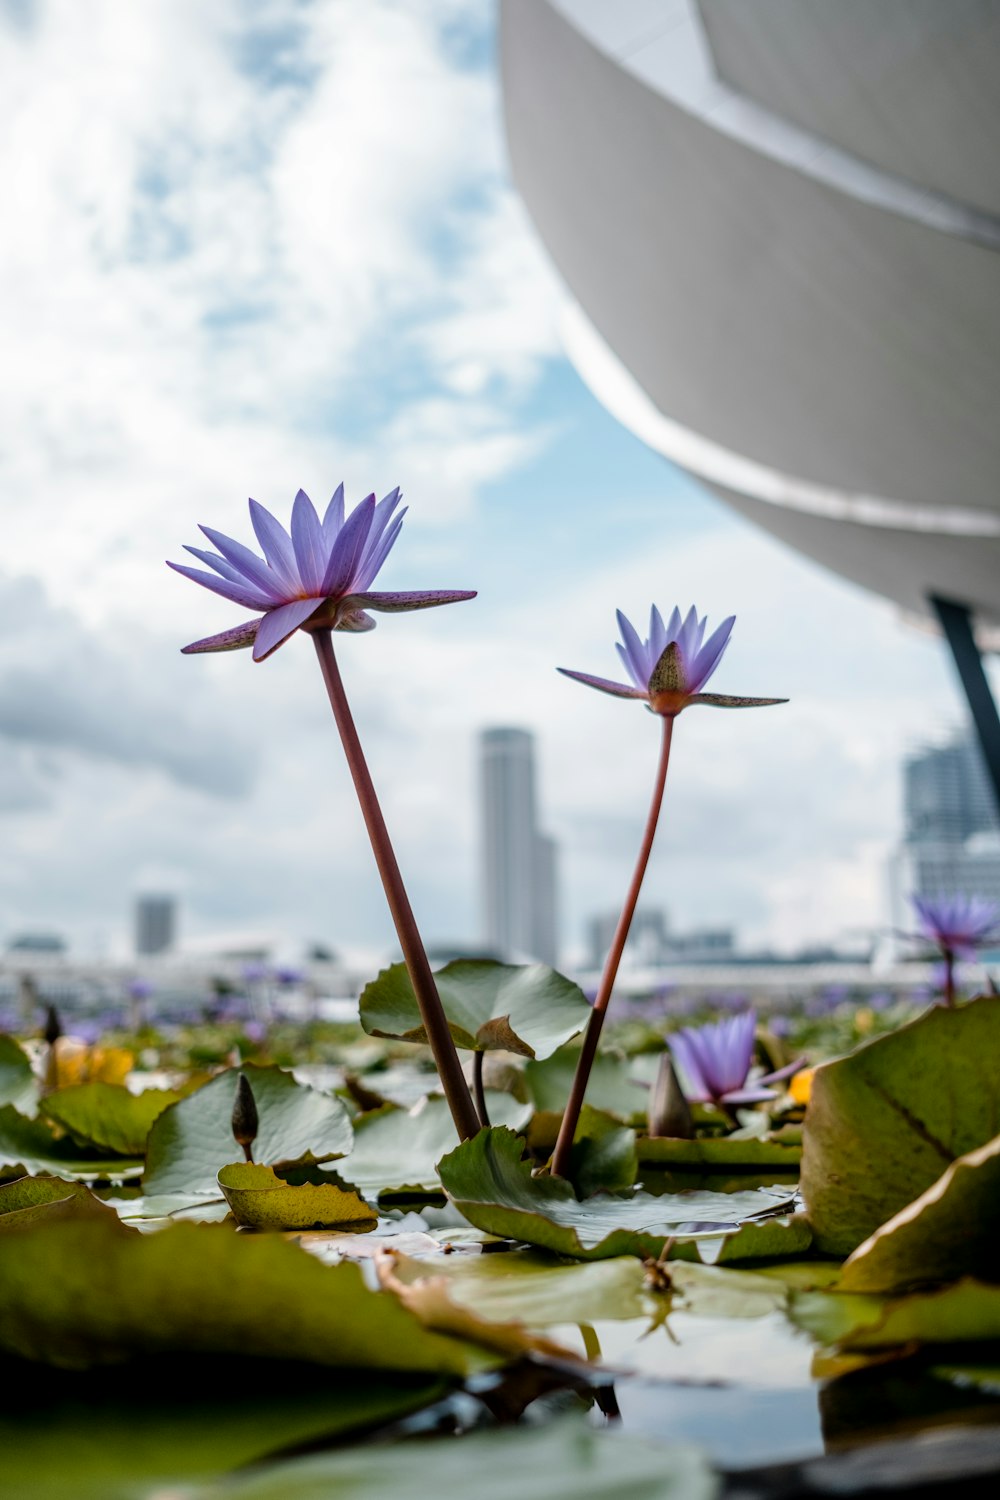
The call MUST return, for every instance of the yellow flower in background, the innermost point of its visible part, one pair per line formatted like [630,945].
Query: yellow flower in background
[800,1087]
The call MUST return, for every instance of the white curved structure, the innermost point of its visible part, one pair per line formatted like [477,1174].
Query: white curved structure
[780,222]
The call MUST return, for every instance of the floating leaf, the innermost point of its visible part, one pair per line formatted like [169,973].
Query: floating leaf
[260,1198]
[32,1146]
[17,1082]
[564,1460]
[715,1292]
[529,1009]
[107,1115]
[37,1200]
[885,1122]
[397,1151]
[780,1150]
[494,1189]
[430,1298]
[764,1240]
[951,1230]
[536,1290]
[121,1433]
[191,1140]
[84,1294]
[853,1320]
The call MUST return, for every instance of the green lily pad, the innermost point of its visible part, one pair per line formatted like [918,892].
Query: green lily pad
[609,1088]
[529,1009]
[885,1122]
[30,1147]
[780,1150]
[967,1310]
[397,1150]
[191,1140]
[18,1085]
[951,1230]
[35,1200]
[566,1460]
[493,1188]
[780,1238]
[537,1291]
[716,1292]
[151,1427]
[261,1199]
[107,1116]
[603,1155]
[82,1294]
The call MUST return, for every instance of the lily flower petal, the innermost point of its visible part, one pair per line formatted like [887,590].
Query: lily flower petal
[235,639]
[395,603]
[250,598]
[307,539]
[276,545]
[348,549]
[333,520]
[604,684]
[725,700]
[253,568]
[278,624]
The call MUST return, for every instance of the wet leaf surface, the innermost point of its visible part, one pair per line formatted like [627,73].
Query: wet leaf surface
[495,1190]
[967,1310]
[611,1088]
[192,1140]
[884,1123]
[527,1009]
[32,1147]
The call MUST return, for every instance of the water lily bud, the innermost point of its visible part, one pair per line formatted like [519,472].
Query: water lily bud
[53,1025]
[245,1121]
[669,1112]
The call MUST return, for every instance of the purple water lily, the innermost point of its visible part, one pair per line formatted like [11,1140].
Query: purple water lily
[669,669]
[958,925]
[715,1060]
[317,577]
[319,573]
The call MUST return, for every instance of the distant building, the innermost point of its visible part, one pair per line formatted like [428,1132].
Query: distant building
[155,924]
[518,861]
[651,942]
[951,839]
[42,944]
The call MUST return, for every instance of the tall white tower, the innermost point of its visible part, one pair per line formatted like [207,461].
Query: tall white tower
[518,861]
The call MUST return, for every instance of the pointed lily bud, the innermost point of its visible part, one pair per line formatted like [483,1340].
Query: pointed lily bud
[669,1111]
[245,1121]
[53,1025]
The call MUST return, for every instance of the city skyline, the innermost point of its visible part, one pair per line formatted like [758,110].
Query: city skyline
[518,861]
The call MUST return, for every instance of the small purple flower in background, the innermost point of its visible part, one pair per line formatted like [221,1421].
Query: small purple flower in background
[669,669]
[715,1059]
[289,976]
[321,572]
[958,925]
[139,989]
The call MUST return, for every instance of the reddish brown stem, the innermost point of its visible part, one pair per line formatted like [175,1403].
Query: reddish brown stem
[567,1130]
[949,977]
[480,1092]
[439,1037]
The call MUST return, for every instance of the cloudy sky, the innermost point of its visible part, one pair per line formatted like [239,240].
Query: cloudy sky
[260,244]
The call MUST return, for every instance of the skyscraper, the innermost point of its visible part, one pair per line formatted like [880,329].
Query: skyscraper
[518,861]
[155,923]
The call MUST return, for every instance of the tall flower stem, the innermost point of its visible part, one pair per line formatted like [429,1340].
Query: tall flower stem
[567,1130]
[442,1045]
[949,977]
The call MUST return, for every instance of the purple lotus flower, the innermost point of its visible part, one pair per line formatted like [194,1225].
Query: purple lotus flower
[715,1063]
[669,669]
[320,574]
[957,924]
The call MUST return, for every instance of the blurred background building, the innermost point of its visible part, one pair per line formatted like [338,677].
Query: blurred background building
[155,924]
[518,859]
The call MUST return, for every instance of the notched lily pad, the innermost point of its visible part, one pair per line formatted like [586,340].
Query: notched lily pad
[88,1294]
[884,1123]
[107,1116]
[528,1009]
[494,1189]
[260,1199]
[190,1141]
[42,1200]
[951,1230]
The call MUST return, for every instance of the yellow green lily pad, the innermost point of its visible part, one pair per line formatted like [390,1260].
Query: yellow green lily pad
[261,1199]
